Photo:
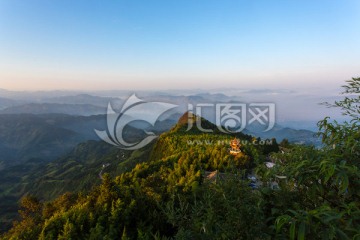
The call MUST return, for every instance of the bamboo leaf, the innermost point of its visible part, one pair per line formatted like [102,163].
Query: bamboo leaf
[292,230]
[301,231]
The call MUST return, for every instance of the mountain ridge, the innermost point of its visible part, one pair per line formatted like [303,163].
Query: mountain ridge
[60,108]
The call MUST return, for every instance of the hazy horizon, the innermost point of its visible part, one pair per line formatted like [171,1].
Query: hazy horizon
[299,109]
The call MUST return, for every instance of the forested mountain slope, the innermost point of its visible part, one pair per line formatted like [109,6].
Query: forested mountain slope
[170,197]
[133,198]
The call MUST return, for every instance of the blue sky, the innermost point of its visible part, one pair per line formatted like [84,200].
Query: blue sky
[67,44]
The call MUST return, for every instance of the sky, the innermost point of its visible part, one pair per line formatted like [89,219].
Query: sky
[178,44]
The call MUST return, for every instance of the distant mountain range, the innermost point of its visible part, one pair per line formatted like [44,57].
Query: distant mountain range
[48,136]
[86,105]
[82,99]
[6,102]
[23,137]
[45,108]
[301,136]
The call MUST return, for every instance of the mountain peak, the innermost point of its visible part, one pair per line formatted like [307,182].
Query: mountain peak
[189,121]
[186,118]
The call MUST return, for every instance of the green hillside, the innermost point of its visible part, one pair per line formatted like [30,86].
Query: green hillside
[176,164]
[77,171]
[191,187]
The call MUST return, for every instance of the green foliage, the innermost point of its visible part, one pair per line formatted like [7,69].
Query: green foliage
[30,225]
[226,210]
[77,171]
[350,105]
[322,186]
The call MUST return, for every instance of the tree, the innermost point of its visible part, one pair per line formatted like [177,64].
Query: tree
[320,198]
[68,232]
[31,218]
